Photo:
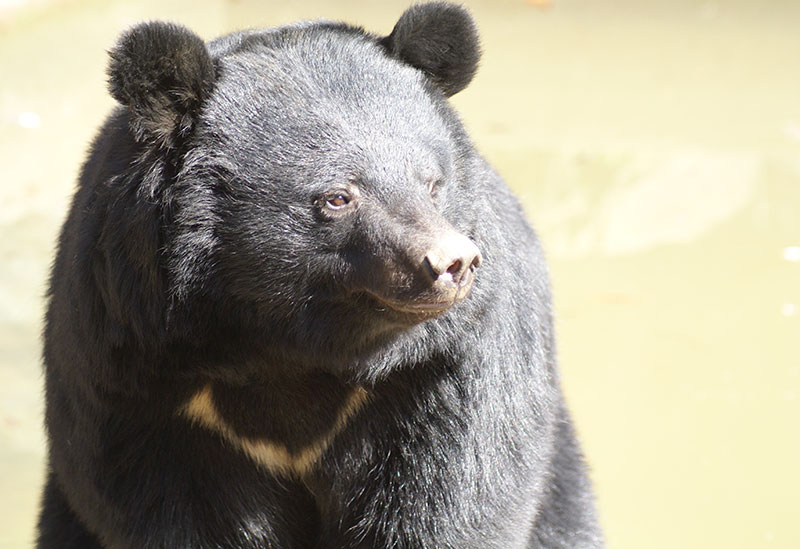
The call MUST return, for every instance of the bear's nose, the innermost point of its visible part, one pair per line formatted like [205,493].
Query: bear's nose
[451,261]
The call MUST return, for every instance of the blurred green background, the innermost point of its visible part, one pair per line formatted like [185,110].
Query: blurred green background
[656,147]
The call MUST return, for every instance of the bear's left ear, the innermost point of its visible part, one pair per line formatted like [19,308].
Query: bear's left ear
[163,73]
[440,39]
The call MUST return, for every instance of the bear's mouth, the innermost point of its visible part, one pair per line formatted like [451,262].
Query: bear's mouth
[435,300]
[420,310]
[424,307]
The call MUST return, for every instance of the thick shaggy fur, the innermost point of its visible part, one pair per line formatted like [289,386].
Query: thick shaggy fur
[233,354]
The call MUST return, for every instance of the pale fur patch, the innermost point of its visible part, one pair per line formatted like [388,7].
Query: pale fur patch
[274,456]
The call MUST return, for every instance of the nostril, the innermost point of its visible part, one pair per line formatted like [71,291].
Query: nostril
[430,268]
[476,262]
[455,267]
[451,260]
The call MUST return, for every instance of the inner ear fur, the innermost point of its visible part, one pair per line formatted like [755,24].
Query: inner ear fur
[439,39]
[163,73]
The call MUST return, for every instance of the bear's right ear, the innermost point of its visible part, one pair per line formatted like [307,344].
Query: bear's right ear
[439,39]
[163,73]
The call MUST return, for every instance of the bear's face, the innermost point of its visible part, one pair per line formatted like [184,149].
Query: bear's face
[319,186]
[340,167]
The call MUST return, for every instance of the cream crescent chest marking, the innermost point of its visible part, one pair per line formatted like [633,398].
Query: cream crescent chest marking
[273,456]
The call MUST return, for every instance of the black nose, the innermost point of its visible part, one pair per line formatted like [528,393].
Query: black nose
[451,261]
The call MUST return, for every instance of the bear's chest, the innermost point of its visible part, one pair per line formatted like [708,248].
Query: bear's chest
[284,428]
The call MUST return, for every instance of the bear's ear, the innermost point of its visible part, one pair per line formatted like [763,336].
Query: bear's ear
[441,40]
[163,73]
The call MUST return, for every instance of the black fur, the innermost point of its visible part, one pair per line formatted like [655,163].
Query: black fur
[240,349]
[163,73]
[439,39]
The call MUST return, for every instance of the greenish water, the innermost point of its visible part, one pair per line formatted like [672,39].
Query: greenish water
[656,146]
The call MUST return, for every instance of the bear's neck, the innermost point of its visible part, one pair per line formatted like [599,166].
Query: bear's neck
[284,426]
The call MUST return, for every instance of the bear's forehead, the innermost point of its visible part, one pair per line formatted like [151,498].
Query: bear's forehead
[322,92]
[318,75]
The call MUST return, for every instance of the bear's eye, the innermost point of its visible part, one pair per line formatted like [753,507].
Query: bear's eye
[337,201]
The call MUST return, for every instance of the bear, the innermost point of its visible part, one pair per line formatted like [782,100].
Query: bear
[293,307]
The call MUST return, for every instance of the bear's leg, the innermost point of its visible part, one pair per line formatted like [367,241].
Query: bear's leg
[58,525]
[567,517]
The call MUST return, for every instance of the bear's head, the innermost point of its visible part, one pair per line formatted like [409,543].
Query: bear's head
[314,188]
